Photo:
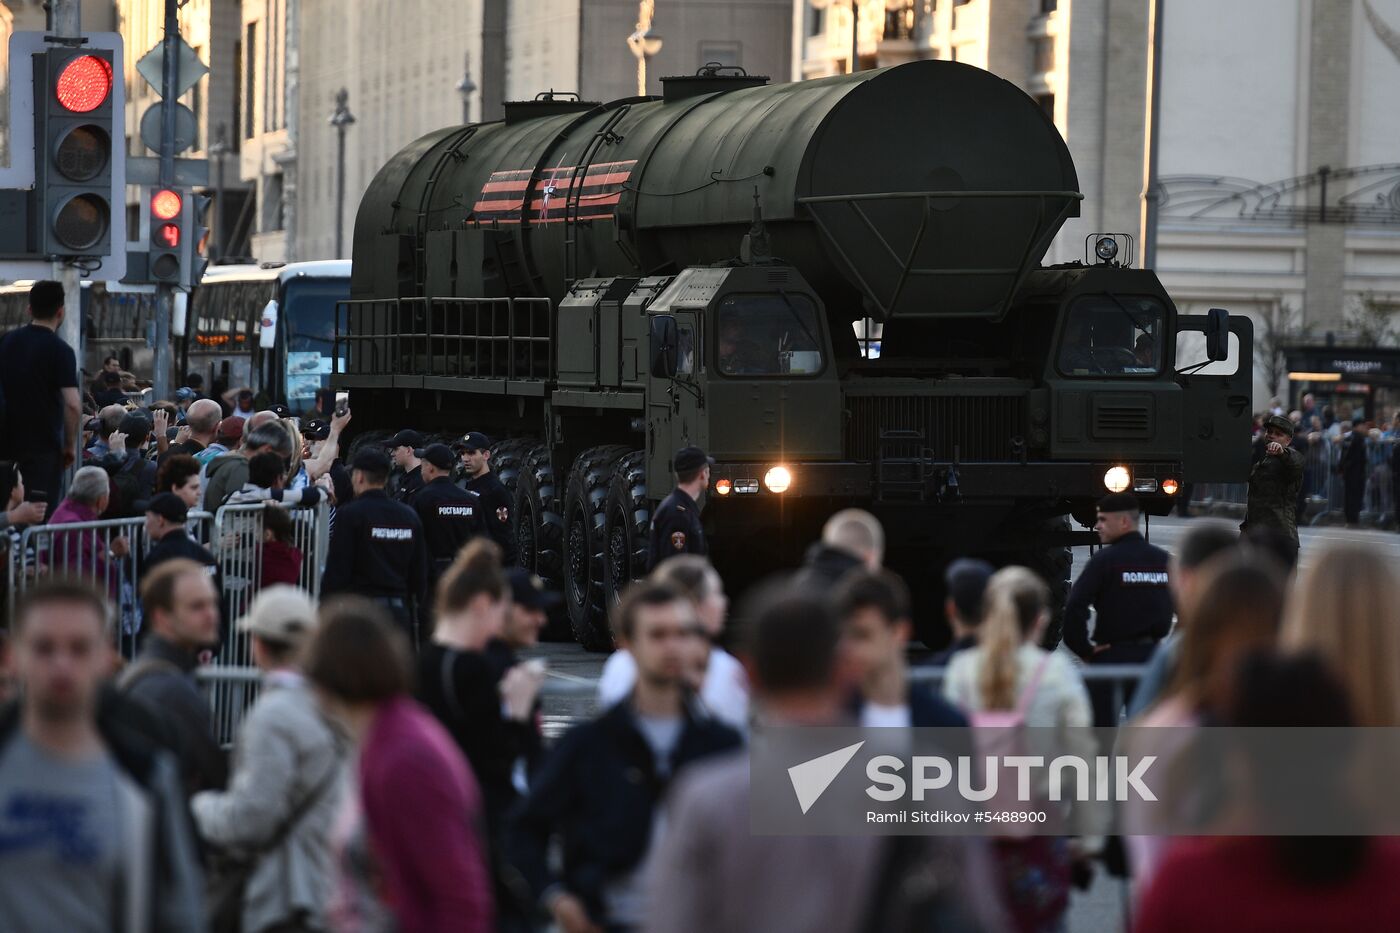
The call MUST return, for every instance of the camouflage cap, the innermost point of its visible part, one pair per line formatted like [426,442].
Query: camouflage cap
[1280,422]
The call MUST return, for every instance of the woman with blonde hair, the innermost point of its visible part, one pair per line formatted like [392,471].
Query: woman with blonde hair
[1008,673]
[1344,609]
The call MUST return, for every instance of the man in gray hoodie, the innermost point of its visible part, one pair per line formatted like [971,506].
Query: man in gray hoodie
[287,778]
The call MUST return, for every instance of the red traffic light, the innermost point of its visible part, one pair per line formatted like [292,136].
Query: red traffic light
[84,84]
[168,235]
[166,204]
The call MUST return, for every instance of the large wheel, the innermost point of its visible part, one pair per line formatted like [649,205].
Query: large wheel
[585,544]
[1053,565]
[628,526]
[508,459]
[539,528]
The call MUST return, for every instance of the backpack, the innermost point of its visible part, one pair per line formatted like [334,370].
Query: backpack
[124,484]
[1002,733]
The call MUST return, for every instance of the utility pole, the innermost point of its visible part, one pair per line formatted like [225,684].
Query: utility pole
[165,291]
[1151,190]
[65,22]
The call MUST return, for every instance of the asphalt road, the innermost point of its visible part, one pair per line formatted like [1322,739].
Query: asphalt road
[1101,909]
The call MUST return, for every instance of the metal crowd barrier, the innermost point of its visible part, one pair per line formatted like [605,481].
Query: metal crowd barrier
[234,535]
[1324,490]
[237,687]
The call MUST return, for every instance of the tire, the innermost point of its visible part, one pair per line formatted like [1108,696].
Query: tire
[627,527]
[508,459]
[585,545]
[1053,565]
[539,523]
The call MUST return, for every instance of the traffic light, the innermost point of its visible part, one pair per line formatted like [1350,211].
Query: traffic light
[198,239]
[167,212]
[73,139]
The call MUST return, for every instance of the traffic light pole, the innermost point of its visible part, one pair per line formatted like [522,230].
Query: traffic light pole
[165,292]
[65,22]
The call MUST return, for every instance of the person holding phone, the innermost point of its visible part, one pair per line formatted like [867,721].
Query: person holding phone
[21,507]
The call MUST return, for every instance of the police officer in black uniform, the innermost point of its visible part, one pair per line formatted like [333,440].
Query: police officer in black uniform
[1126,583]
[377,548]
[496,500]
[403,448]
[451,515]
[675,526]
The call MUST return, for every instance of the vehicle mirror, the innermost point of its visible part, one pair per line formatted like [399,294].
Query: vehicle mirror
[665,343]
[1218,335]
[267,338]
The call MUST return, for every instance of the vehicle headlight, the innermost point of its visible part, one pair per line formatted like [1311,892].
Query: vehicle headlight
[723,487]
[1170,486]
[1106,248]
[1117,479]
[777,479]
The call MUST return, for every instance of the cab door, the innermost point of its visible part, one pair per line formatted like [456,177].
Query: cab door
[1217,417]
[673,406]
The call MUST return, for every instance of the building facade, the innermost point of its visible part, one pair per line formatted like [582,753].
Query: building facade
[1281,169]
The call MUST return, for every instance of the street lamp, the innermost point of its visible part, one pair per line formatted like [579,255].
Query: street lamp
[341,120]
[465,87]
[855,30]
[644,43]
[218,149]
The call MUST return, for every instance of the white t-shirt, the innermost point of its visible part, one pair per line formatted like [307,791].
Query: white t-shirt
[877,716]
[725,691]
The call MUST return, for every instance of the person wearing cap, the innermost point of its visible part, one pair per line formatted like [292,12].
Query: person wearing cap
[531,602]
[318,436]
[451,515]
[1127,584]
[1274,481]
[496,500]
[675,525]
[166,515]
[227,436]
[965,582]
[1352,466]
[403,451]
[287,784]
[376,548]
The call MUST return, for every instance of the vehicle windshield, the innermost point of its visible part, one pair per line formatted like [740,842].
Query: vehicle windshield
[1113,335]
[308,308]
[768,335]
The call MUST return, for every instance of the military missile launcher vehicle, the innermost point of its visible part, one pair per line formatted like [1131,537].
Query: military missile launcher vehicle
[831,286]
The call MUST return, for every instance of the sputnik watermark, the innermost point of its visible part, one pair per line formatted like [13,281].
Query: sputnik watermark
[1116,779]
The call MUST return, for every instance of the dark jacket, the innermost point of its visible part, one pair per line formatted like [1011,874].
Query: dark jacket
[451,517]
[179,544]
[1126,583]
[174,901]
[675,529]
[497,505]
[162,678]
[1352,464]
[376,550]
[927,709]
[599,790]
[824,566]
[1273,493]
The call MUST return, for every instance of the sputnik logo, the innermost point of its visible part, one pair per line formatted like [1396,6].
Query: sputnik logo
[811,778]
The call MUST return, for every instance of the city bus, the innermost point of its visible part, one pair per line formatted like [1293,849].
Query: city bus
[270,328]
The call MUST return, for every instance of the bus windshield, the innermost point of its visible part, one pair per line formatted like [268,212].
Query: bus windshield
[308,310]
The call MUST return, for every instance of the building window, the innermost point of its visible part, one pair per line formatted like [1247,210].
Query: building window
[197,105]
[1049,6]
[1046,103]
[816,22]
[250,78]
[726,53]
[238,97]
[899,20]
[1044,54]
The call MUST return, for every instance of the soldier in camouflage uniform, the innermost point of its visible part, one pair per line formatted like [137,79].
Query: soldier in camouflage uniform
[1273,489]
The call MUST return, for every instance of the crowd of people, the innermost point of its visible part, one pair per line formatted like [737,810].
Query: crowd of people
[393,773]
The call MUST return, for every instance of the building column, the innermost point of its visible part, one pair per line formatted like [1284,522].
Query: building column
[1328,114]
